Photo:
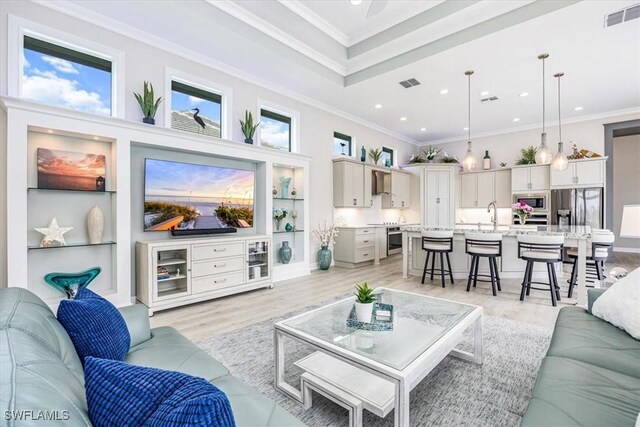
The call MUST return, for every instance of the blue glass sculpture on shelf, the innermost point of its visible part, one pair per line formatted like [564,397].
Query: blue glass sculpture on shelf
[71,283]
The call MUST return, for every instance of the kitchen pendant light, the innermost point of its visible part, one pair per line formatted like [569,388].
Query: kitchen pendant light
[469,162]
[543,155]
[560,162]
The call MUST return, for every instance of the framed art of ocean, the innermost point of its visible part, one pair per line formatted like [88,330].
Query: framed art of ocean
[69,170]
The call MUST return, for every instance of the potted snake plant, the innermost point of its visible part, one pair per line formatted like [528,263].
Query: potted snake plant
[148,104]
[364,302]
[248,128]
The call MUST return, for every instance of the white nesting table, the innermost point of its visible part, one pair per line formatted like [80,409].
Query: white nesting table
[426,330]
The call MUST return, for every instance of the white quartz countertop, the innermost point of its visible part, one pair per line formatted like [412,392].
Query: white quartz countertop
[569,232]
[380,225]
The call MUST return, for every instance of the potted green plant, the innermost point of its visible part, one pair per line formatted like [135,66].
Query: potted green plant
[527,156]
[364,302]
[148,103]
[248,127]
[448,159]
[375,154]
[416,158]
[431,153]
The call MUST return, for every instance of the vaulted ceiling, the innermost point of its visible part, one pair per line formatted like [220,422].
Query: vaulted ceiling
[352,57]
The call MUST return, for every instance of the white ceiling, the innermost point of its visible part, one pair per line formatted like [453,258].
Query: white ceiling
[601,65]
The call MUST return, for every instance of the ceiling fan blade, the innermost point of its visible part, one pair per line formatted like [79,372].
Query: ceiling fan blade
[376,7]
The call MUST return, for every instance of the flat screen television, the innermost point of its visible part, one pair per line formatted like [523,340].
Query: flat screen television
[186,196]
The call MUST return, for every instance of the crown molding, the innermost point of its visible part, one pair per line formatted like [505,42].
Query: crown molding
[276,33]
[589,118]
[71,9]
[314,19]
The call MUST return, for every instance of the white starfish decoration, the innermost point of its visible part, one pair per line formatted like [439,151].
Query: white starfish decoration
[53,233]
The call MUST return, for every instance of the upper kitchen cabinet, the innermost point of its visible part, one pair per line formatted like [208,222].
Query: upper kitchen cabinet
[478,189]
[526,179]
[581,173]
[503,188]
[349,185]
[399,195]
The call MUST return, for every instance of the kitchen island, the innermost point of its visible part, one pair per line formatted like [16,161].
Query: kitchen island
[510,266]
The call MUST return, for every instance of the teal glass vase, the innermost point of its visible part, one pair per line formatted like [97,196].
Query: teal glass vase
[324,258]
[71,283]
[285,253]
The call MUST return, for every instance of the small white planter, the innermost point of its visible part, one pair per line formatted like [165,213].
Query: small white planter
[364,312]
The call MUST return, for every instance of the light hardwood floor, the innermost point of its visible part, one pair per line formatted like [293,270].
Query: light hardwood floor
[210,318]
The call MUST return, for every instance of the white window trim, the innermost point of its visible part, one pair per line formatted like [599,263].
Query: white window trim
[353,144]
[295,122]
[226,118]
[394,155]
[19,27]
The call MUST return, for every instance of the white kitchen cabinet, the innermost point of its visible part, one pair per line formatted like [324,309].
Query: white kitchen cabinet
[486,189]
[381,241]
[468,190]
[581,173]
[503,188]
[348,185]
[355,246]
[438,195]
[530,178]
[368,195]
[400,192]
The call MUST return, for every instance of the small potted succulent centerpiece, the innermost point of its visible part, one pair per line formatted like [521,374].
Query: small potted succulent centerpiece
[375,154]
[248,127]
[148,104]
[364,302]
[523,211]
[326,235]
[279,214]
[431,153]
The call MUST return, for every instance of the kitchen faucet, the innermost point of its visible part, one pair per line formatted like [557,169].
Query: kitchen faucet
[494,218]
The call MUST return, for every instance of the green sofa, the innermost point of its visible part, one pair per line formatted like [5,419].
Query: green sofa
[590,375]
[40,370]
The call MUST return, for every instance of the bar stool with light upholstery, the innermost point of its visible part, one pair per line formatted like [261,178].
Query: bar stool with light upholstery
[484,245]
[601,242]
[436,242]
[546,249]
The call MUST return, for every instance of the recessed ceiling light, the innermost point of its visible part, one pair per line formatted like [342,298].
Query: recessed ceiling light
[50,131]
[444,91]
[484,93]
[465,128]
[403,119]
[517,119]
[423,129]
[356,2]
[578,109]
[96,138]
[523,94]
[377,106]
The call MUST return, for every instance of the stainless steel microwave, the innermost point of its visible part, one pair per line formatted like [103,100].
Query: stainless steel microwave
[536,201]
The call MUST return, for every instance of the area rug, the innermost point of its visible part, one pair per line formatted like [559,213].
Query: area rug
[456,392]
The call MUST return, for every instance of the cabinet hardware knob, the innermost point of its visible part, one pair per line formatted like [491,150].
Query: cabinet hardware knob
[367,254]
[365,241]
[219,265]
[220,250]
[220,281]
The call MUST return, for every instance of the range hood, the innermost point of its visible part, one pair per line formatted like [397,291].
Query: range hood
[380,182]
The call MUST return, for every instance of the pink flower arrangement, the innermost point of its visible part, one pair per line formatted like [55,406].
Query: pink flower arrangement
[523,211]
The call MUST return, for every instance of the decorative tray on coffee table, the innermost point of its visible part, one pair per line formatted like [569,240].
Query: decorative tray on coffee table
[381,319]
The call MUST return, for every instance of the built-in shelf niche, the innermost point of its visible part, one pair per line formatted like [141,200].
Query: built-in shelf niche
[291,202]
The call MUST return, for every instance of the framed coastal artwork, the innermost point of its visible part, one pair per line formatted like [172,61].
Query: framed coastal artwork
[69,170]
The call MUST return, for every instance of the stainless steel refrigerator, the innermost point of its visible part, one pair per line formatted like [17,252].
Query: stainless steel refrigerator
[580,206]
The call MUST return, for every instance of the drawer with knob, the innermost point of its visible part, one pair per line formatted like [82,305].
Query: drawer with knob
[365,241]
[219,281]
[366,254]
[208,267]
[219,250]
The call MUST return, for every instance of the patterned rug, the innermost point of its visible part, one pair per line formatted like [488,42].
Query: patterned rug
[456,392]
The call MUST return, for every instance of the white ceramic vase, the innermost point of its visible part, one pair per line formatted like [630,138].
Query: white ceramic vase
[364,312]
[95,225]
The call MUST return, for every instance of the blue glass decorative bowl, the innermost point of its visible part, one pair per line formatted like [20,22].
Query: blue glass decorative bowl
[70,283]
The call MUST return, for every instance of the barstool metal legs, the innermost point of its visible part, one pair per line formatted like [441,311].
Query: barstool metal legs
[443,273]
[493,274]
[449,264]
[426,267]
[474,260]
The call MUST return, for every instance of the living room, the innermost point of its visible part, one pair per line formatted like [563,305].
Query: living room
[201,187]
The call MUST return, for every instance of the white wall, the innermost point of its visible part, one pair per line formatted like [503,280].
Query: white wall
[145,62]
[626,175]
[506,147]
[3,199]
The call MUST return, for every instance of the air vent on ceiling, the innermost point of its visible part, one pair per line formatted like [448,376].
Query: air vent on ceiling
[489,99]
[409,83]
[623,15]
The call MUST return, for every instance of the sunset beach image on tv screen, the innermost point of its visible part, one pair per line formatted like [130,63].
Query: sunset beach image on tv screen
[69,170]
[181,196]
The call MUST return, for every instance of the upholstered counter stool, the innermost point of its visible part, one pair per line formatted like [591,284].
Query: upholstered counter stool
[546,249]
[437,242]
[601,243]
[484,245]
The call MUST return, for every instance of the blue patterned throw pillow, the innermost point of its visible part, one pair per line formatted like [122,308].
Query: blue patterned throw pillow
[120,394]
[95,326]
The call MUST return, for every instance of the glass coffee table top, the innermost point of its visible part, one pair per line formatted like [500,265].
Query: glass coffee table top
[419,322]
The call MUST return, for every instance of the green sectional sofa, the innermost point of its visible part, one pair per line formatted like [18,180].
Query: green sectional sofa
[40,370]
[590,375]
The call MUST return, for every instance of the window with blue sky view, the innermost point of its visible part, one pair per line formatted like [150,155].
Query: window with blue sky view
[58,80]
[185,99]
[275,130]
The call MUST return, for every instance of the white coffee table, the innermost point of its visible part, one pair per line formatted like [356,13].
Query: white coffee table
[426,330]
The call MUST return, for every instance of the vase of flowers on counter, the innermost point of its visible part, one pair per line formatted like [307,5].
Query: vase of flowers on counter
[279,214]
[326,235]
[523,211]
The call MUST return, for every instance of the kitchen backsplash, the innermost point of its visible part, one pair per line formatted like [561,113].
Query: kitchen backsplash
[375,214]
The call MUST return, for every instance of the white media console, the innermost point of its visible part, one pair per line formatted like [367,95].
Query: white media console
[171,273]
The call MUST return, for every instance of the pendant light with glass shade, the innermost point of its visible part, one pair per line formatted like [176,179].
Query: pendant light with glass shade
[560,161]
[469,162]
[543,155]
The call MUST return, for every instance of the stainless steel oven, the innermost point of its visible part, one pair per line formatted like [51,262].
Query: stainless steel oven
[394,240]
[539,203]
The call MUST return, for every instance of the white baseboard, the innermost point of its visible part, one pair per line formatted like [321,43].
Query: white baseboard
[627,250]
